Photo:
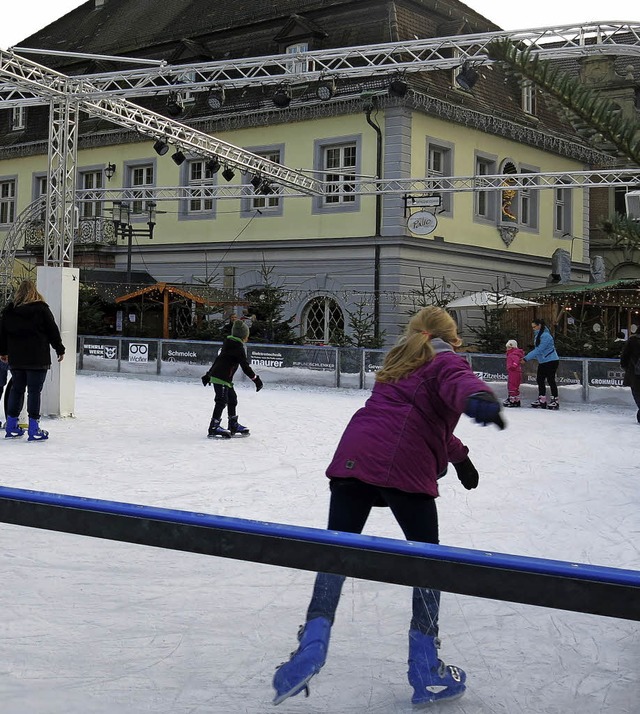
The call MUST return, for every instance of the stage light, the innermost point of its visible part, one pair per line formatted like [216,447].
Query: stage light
[228,173]
[216,98]
[178,157]
[174,104]
[398,87]
[281,97]
[212,166]
[467,77]
[325,89]
[161,147]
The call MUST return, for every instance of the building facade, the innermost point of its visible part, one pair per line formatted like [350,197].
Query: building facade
[333,253]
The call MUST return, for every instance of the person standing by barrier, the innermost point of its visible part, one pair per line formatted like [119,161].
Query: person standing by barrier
[630,362]
[392,453]
[544,351]
[27,332]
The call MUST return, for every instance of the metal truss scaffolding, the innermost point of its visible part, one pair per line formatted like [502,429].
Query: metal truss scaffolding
[23,82]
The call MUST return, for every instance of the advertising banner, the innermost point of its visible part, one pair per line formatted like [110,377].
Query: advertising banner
[319,359]
[139,355]
[100,354]
[605,373]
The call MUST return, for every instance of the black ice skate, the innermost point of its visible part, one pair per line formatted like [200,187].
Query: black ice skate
[216,431]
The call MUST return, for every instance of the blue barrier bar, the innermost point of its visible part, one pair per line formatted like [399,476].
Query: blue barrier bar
[289,546]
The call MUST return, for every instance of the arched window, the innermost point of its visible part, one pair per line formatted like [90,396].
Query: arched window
[322,320]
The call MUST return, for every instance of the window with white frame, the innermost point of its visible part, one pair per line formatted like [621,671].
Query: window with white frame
[7,201]
[40,191]
[527,206]
[485,201]
[197,173]
[92,181]
[188,95]
[270,202]
[439,165]
[339,166]
[141,177]
[298,66]
[562,210]
[528,97]
[18,118]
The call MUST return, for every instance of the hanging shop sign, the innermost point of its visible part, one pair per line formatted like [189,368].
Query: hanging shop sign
[421,223]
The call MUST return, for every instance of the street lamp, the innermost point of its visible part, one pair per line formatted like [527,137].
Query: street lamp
[123,228]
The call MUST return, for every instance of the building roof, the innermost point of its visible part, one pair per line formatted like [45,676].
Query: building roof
[622,292]
[183,31]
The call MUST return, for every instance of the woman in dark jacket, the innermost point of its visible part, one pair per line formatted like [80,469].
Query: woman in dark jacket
[629,358]
[27,332]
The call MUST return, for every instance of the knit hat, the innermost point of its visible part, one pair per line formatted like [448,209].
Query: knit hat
[240,329]
[511,344]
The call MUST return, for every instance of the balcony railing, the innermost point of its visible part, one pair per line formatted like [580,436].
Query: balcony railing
[90,231]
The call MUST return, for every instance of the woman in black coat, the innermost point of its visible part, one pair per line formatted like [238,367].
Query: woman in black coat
[630,362]
[27,331]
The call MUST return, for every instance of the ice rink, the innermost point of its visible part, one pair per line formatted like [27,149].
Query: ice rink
[97,627]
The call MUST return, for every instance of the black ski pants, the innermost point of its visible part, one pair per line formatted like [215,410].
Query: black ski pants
[224,397]
[547,373]
[416,514]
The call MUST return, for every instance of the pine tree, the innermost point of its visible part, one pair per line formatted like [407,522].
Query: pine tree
[267,303]
[491,333]
[362,326]
[91,312]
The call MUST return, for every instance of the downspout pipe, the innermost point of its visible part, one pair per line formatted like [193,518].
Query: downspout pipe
[376,256]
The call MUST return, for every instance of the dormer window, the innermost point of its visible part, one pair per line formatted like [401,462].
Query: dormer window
[299,65]
[529,97]
[18,118]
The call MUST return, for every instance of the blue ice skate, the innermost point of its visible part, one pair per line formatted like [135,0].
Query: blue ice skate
[12,429]
[292,677]
[432,680]
[35,432]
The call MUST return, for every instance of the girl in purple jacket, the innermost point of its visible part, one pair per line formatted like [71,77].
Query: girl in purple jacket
[392,453]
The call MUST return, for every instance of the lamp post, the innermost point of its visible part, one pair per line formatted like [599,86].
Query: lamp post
[123,228]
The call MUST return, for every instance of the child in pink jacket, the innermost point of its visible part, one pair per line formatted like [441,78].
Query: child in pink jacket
[514,373]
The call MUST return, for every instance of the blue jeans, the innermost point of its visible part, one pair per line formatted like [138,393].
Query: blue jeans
[31,380]
[417,515]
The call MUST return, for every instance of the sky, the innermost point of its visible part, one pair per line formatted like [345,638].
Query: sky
[91,625]
[22,18]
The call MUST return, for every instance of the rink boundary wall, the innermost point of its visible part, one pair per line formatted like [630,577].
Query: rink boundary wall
[598,590]
[580,380]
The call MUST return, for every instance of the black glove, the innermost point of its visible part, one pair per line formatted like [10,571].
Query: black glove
[205,380]
[484,408]
[258,382]
[467,473]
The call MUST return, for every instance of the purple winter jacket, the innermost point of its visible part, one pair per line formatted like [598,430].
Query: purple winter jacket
[403,436]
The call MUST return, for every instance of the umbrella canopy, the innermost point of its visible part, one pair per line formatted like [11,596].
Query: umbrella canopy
[489,299]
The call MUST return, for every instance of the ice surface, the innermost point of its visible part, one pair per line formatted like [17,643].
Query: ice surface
[98,627]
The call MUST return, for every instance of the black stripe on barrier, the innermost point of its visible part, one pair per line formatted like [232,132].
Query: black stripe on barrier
[597,596]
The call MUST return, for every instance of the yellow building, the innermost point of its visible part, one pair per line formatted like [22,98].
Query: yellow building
[334,252]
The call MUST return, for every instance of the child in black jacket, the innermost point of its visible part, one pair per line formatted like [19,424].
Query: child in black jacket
[220,374]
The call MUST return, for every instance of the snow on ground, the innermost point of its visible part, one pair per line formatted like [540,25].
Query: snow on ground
[98,627]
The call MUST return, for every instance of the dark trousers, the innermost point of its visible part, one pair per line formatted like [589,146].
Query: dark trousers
[416,514]
[635,393]
[225,397]
[547,372]
[31,381]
